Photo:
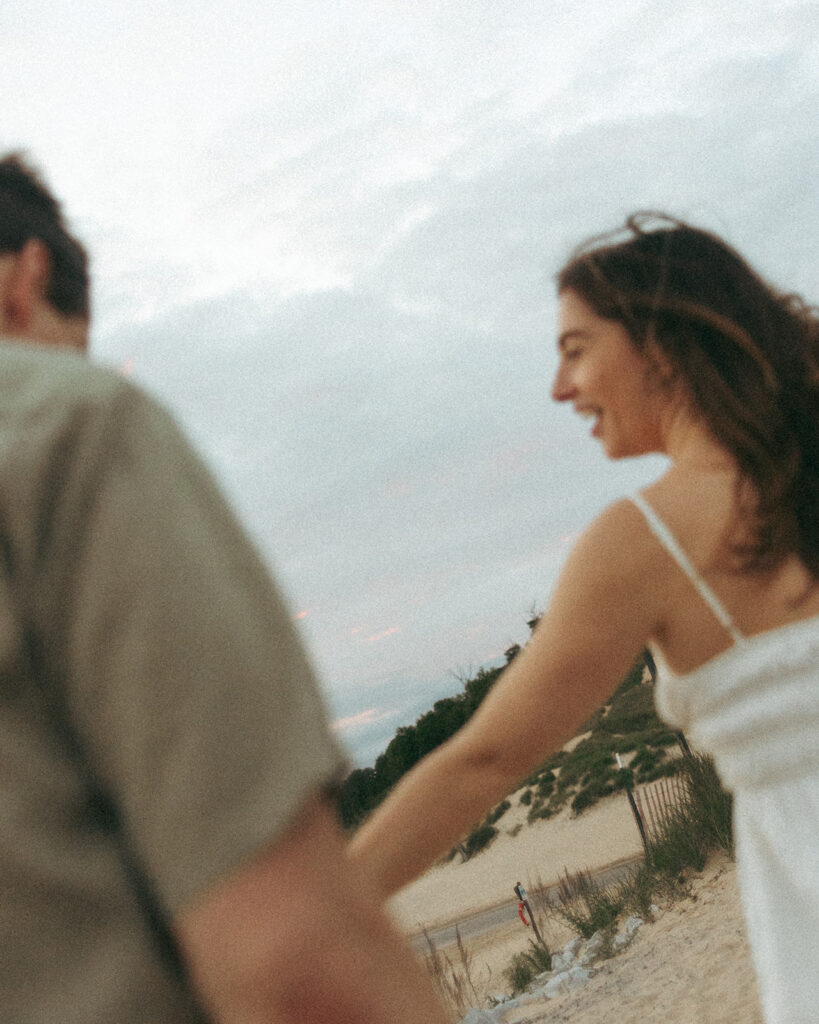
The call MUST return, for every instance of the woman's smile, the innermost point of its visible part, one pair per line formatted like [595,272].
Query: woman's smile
[606,379]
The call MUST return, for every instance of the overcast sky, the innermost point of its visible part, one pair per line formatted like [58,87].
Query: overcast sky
[325,234]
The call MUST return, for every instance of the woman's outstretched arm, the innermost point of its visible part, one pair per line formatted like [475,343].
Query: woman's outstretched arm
[606,604]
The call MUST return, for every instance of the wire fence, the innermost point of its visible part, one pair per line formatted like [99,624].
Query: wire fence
[654,801]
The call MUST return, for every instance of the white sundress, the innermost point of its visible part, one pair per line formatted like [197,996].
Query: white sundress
[755,709]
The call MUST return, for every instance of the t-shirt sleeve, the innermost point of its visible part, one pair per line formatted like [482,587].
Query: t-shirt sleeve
[183,679]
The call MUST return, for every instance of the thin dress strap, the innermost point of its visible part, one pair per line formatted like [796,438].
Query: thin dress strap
[669,542]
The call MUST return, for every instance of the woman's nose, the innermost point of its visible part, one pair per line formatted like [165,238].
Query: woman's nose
[562,387]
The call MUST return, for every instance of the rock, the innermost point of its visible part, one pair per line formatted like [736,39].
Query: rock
[498,1013]
[557,986]
[479,1017]
[541,979]
[567,981]
[561,962]
[577,978]
[621,940]
[593,949]
[625,937]
[632,924]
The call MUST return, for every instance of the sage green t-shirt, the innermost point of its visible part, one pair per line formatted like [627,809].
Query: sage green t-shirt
[158,720]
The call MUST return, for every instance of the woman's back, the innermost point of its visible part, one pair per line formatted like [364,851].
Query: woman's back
[745,650]
[698,506]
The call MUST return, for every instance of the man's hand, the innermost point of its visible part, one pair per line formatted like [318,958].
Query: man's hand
[296,936]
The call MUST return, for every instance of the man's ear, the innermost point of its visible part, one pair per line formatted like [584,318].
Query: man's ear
[24,287]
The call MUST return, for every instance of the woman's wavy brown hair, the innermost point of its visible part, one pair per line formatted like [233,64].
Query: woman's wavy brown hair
[747,354]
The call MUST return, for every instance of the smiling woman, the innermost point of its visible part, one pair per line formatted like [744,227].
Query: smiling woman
[672,344]
[742,355]
[606,379]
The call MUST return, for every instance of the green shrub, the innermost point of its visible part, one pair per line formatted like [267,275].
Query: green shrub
[710,805]
[593,792]
[540,812]
[655,738]
[701,822]
[630,711]
[587,773]
[645,759]
[526,966]
[663,770]
[637,891]
[452,977]
[498,812]
[546,784]
[664,737]
[610,781]
[587,906]
[678,847]
[479,839]
[588,760]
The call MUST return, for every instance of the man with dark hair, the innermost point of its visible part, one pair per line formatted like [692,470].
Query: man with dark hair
[34,232]
[165,760]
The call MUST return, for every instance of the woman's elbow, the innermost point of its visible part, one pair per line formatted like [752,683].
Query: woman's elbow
[500,765]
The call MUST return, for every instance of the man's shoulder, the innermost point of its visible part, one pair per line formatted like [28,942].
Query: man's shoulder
[42,388]
[29,371]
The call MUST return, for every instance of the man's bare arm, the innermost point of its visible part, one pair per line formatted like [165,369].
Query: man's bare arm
[297,936]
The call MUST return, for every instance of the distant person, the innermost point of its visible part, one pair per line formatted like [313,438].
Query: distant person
[669,342]
[165,761]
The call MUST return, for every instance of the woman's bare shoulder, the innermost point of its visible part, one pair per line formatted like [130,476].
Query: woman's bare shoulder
[618,539]
[699,507]
[611,582]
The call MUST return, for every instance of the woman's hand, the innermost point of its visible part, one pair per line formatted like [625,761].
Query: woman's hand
[605,607]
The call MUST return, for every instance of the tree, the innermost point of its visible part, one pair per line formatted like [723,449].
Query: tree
[355,796]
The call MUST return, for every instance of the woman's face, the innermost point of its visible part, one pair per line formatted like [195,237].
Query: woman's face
[608,381]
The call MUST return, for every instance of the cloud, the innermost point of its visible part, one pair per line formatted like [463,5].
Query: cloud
[380,635]
[434,369]
[360,720]
[364,350]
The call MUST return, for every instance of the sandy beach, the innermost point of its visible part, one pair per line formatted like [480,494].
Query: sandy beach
[692,964]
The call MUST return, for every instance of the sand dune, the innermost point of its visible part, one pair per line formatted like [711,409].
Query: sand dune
[605,834]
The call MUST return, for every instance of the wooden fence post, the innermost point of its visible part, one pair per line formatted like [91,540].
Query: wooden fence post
[635,810]
[520,892]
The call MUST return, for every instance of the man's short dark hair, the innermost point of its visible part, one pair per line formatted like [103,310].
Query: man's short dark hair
[29,210]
